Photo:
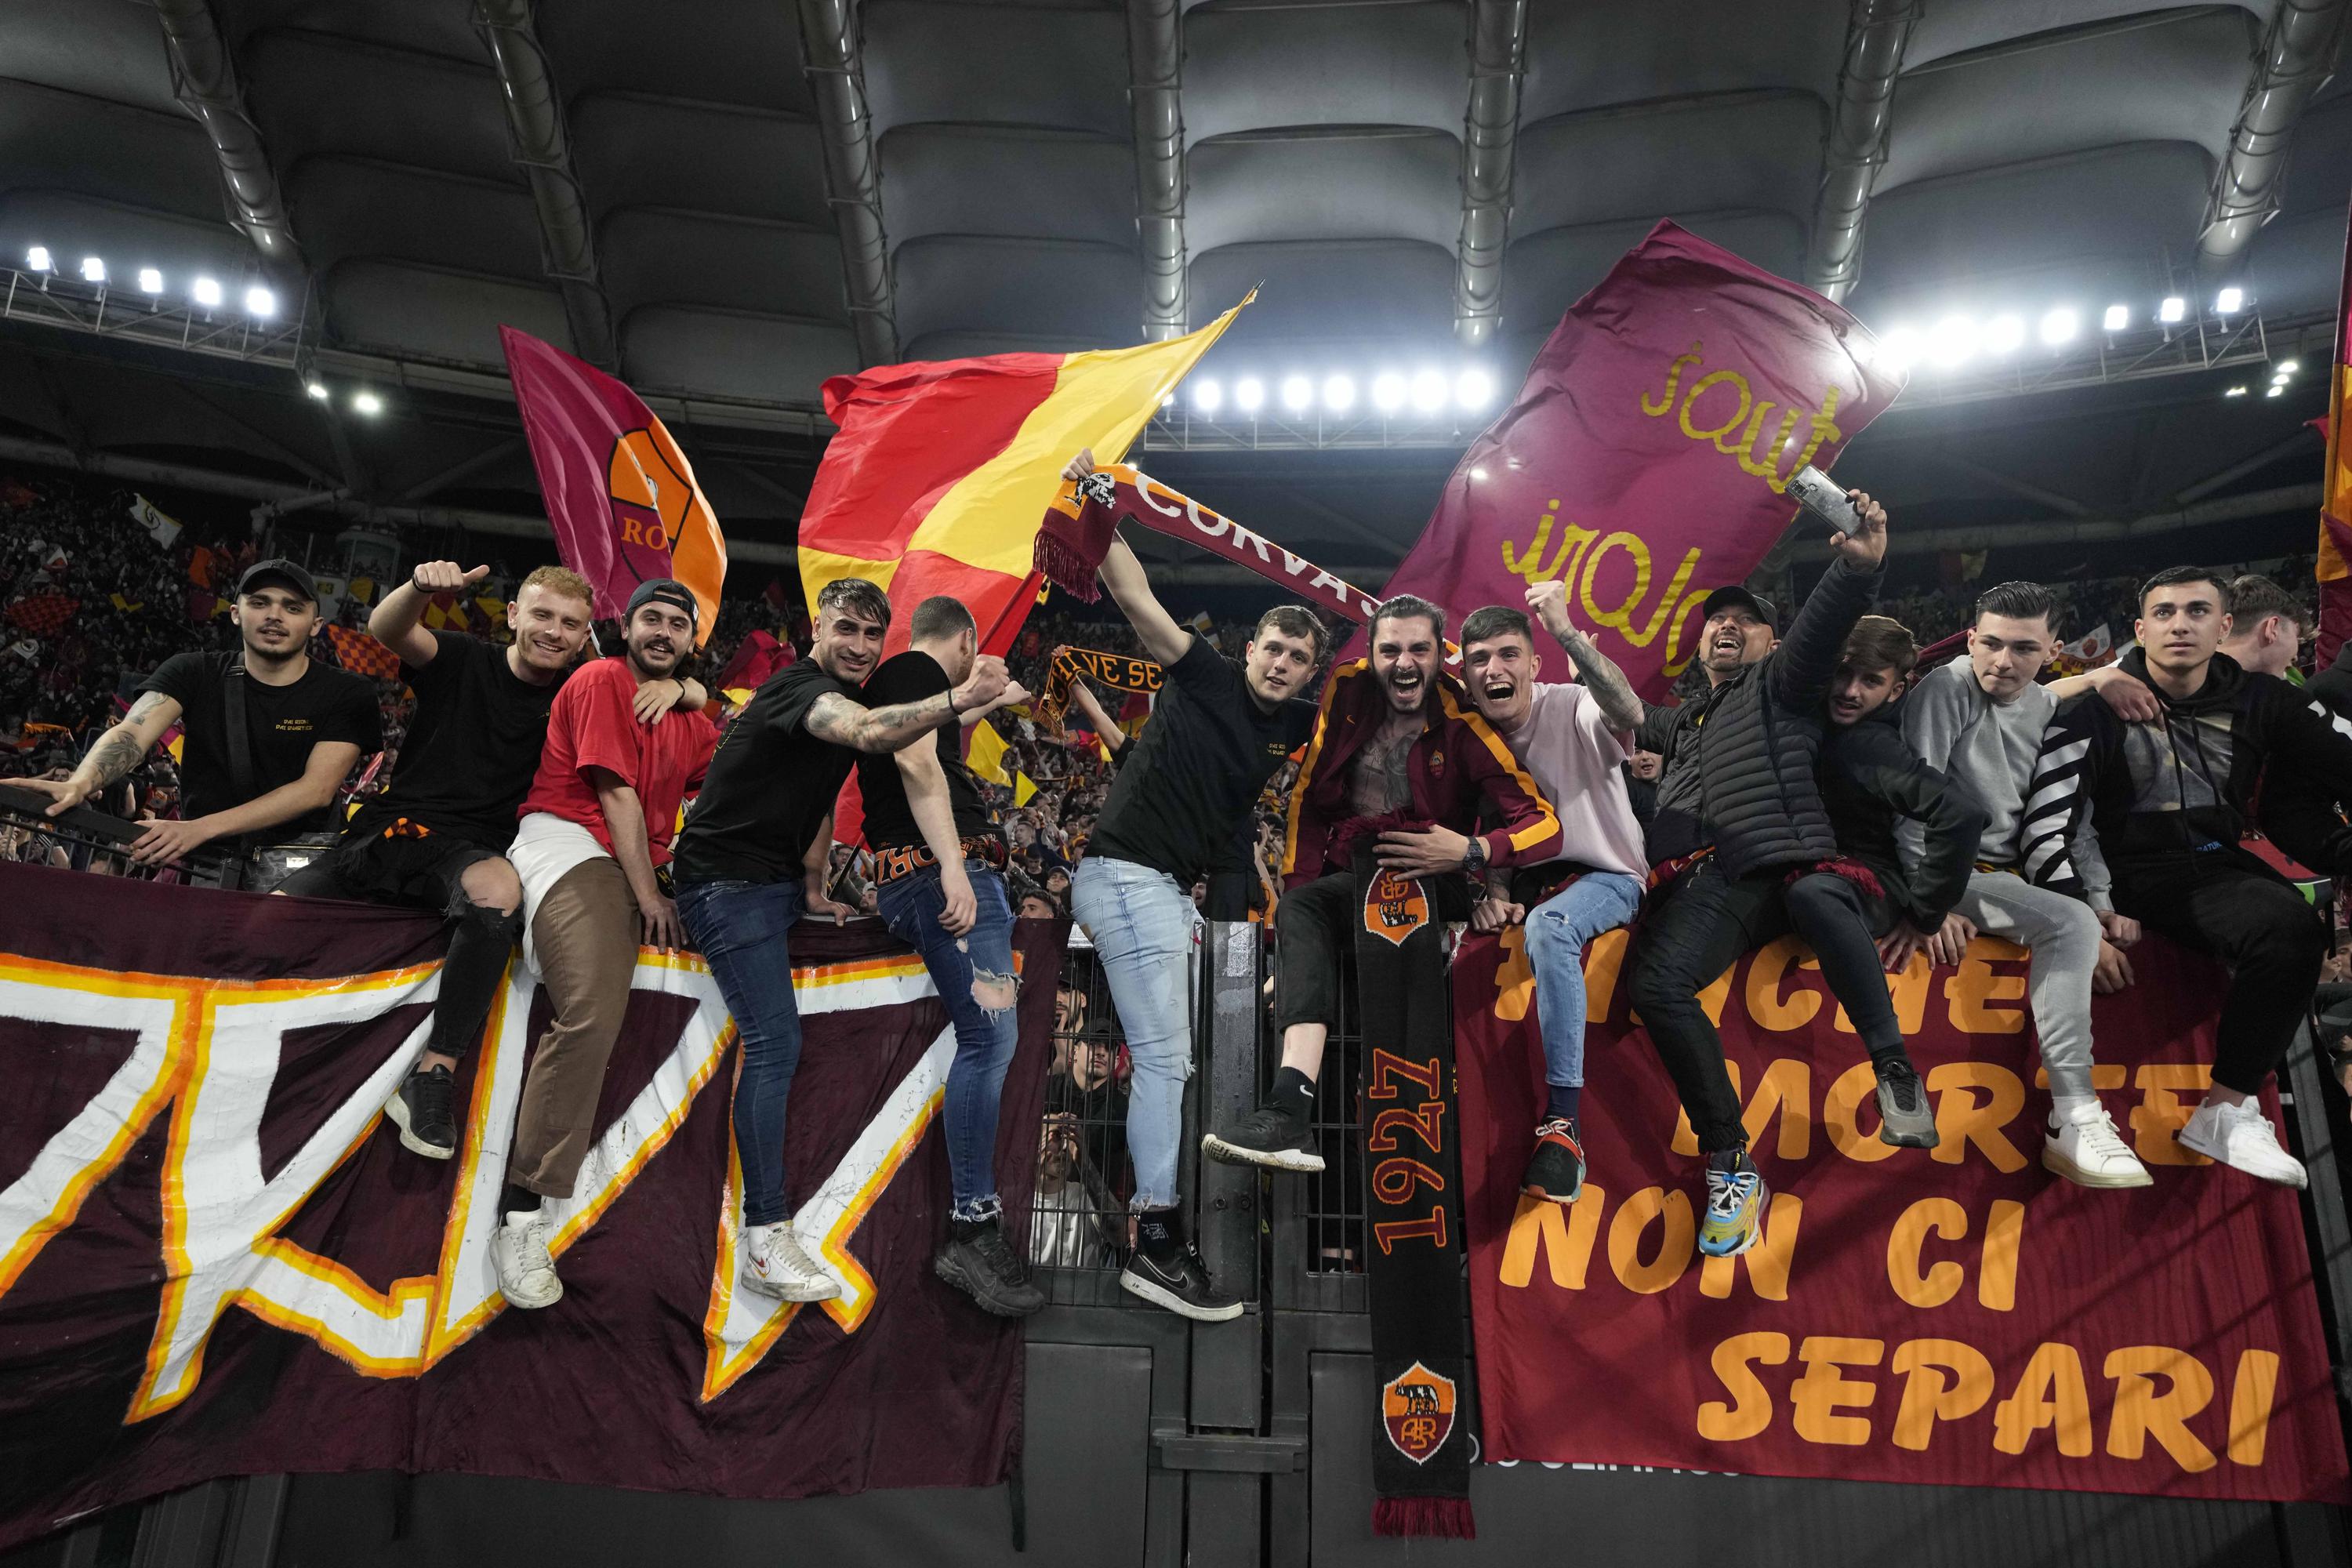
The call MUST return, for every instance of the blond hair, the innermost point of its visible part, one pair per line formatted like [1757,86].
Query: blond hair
[560,581]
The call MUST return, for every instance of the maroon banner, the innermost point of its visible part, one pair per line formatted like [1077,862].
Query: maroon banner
[1957,1315]
[215,1260]
[1643,463]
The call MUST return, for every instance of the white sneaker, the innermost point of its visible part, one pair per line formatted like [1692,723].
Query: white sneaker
[526,1271]
[775,1264]
[2240,1135]
[2086,1150]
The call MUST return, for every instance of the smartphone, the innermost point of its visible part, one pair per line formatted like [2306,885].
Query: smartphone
[1825,499]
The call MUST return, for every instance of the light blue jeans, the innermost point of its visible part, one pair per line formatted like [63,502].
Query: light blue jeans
[1141,922]
[1558,929]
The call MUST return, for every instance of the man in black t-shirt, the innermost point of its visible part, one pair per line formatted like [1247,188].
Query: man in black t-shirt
[436,838]
[939,874]
[1185,789]
[753,858]
[305,725]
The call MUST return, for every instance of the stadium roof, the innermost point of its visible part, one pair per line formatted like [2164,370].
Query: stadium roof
[727,203]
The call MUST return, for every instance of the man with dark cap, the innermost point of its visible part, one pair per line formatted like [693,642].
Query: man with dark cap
[595,833]
[270,735]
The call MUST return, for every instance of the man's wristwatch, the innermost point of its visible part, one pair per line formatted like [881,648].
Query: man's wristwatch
[1474,858]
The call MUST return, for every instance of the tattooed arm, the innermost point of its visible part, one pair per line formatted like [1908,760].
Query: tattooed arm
[844,722]
[1611,691]
[117,751]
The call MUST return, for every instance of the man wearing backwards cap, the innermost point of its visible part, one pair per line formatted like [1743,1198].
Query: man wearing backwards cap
[305,725]
[595,830]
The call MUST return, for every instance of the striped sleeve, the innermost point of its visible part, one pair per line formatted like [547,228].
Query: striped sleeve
[2060,843]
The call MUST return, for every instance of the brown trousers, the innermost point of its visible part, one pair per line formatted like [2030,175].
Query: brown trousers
[585,933]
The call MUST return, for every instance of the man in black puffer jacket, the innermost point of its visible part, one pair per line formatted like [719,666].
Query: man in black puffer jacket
[1755,745]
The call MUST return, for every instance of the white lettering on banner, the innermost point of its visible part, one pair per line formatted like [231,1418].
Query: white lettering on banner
[213,1049]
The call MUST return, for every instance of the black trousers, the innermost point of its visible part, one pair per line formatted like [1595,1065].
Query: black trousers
[1697,925]
[2226,903]
[1314,932]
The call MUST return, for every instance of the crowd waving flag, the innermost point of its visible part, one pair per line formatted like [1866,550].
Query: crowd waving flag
[937,481]
[2334,560]
[1645,461]
[621,495]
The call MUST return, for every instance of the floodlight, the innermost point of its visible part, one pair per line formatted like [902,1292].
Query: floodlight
[2173,310]
[2230,301]
[150,281]
[367,403]
[1428,391]
[1474,389]
[205,292]
[2235,392]
[1207,396]
[1298,394]
[1899,350]
[2275,388]
[260,303]
[36,259]
[1249,395]
[1953,341]
[317,389]
[1389,391]
[2005,334]
[93,270]
[2059,326]
[2289,366]
[1338,392]
[2118,317]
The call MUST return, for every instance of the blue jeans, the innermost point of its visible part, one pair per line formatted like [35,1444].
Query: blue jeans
[740,928]
[1141,922]
[1558,929]
[975,978]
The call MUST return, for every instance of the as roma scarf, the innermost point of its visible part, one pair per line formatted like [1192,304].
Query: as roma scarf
[1420,1461]
[1085,515]
[1120,671]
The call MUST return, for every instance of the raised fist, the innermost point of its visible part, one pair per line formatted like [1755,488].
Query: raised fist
[986,682]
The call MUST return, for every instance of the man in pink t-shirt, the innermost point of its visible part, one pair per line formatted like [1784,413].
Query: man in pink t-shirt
[1575,740]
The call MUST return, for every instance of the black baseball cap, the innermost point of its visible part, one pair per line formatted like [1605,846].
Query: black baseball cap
[665,591]
[280,570]
[1740,598]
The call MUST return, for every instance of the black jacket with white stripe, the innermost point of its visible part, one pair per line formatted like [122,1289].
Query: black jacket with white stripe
[2244,748]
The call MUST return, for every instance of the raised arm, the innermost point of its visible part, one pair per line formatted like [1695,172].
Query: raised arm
[394,621]
[1123,578]
[1611,691]
[838,720]
[1800,671]
[113,755]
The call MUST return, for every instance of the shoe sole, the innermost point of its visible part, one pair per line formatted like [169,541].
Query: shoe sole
[1529,1190]
[2300,1181]
[1755,1235]
[1160,1296]
[986,1301]
[397,1109]
[823,1290]
[1928,1139]
[2053,1161]
[1295,1159]
[527,1303]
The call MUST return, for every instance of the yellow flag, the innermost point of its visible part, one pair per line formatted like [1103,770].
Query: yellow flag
[1021,789]
[986,758]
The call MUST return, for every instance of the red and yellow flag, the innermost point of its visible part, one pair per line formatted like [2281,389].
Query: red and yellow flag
[2334,566]
[942,470]
[620,493]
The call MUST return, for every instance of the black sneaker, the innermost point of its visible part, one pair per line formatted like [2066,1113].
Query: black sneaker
[1178,1282]
[977,1261]
[1268,1136]
[1906,1119]
[1555,1171]
[421,1112]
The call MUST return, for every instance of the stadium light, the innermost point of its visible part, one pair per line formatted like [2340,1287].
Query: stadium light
[317,389]
[1208,397]
[1389,391]
[2289,366]
[205,292]
[1428,391]
[1298,394]
[2280,377]
[2275,388]
[2059,326]
[1338,392]
[367,403]
[150,281]
[2118,317]
[1953,341]
[93,270]
[2173,310]
[1474,389]
[2235,392]
[36,259]
[260,303]
[2230,301]
[2005,334]
[1899,349]
[1249,395]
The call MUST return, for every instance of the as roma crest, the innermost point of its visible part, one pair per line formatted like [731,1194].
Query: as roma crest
[1394,907]
[1417,1408]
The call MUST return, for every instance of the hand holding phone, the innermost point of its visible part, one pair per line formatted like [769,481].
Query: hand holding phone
[1825,497]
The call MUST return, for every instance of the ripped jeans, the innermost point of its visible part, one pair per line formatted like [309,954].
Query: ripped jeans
[1558,929]
[975,978]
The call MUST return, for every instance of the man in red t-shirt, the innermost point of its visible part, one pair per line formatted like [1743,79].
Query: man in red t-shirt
[597,825]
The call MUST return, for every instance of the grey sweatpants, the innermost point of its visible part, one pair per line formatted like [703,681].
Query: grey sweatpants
[2063,936]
